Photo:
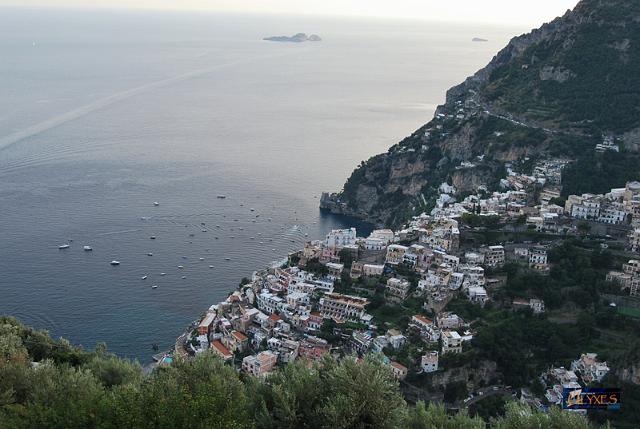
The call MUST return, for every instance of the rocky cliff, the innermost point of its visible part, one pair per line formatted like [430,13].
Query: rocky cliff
[552,92]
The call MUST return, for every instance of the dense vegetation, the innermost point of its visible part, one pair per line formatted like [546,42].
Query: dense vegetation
[600,57]
[51,384]
[599,173]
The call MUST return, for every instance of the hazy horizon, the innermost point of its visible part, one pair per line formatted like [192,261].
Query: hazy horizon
[506,12]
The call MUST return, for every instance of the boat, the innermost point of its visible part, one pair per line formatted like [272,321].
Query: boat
[204,230]
[144,277]
[221,197]
[180,267]
[155,203]
[227,259]
[202,259]
[154,287]
[153,237]
[114,262]
[184,277]
[149,254]
[163,274]
[63,246]
[210,266]
[87,248]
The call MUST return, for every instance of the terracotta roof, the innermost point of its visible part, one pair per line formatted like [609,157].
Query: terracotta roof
[221,349]
[239,335]
[423,319]
[274,317]
[398,366]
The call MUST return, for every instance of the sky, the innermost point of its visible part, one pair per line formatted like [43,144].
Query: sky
[530,12]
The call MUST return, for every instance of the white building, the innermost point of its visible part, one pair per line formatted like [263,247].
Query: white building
[613,214]
[270,303]
[398,288]
[375,244]
[425,328]
[369,270]
[385,235]
[342,307]
[451,342]
[477,294]
[339,238]
[538,259]
[429,362]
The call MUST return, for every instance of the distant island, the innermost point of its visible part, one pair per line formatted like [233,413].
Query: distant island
[296,38]
[479,39]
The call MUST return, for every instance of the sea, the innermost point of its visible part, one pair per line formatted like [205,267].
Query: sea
[103,113]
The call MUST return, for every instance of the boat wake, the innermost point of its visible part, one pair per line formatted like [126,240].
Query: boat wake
[34,130]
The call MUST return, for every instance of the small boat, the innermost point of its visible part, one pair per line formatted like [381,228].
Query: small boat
[163,274]
[155,203]
[154,287]
[153,237]
[204,230]
[114,262]
[87,248]
[210,266]
[144,277]
[217,226]
[222,197]
[149,254]
[227,259]
[252,209]
[184,257]
[202,259]
[202,223]
[183,277]
[180,267]
[63,246]
[216,238]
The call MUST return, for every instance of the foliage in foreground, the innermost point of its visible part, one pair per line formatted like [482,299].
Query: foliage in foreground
[71,388]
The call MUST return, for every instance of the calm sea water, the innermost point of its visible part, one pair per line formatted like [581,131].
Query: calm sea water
[101,114]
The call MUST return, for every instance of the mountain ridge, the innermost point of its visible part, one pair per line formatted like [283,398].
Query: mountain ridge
[554,91]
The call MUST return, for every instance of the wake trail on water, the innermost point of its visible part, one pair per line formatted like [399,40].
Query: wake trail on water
[34,130]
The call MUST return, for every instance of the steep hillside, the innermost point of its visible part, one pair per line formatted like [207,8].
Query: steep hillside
[552,92]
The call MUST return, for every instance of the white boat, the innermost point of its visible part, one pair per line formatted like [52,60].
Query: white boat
[114,262]
[184,277]
[180,267]
[155,203]
[222,197]
[144,277]
[227,259]
[202,259]
[63,246]
[163,274]
[154,287]
[149,254]
[88,248]
[210,266]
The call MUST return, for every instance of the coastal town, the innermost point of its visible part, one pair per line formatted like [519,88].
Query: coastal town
[390,293]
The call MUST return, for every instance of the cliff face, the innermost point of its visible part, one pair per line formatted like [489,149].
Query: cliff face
[552,92]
